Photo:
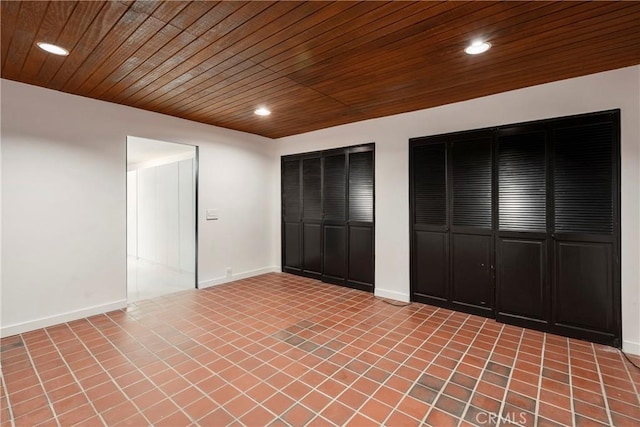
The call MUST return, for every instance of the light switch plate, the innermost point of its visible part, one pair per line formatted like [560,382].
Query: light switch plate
[212,214]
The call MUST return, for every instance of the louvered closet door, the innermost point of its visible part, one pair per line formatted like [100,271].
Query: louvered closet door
[430,254]
[334,227]
[360,219]
[522,290]
[291,216]
[585,300]
[472,221]
[312,216]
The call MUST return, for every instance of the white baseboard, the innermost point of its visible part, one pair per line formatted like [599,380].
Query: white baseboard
[631,347]
[238,276]
[397,296]
[43,322]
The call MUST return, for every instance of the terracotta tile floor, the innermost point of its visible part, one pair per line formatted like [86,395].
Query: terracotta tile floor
[282,350]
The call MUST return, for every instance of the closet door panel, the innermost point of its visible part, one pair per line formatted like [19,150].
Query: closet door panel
[430,253]
[361,255]
[291,215]
[472,182]
[292,245]
[521,278]
[312,189]
[360,272]
[429,176]
[335,254]
[586,293]
[522,183]
[583,293]
[361,186]
[521,281]
[291,188]
[431,266]
[312,238]
[583,179]
[334,187]
[471,265]
[312,216]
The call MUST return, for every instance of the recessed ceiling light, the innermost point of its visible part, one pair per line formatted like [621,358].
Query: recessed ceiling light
[52,48]
[262,111]
[477,47]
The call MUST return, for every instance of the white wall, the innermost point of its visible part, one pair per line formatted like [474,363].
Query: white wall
[132,213]
[163,227]
[603,91]
[63,202]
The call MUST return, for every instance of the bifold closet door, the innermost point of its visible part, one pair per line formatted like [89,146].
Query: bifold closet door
[522,239]
[430,240]
[360,220]
[334,227]
[312,216]
[328,216]
[586,287]
[471,240]
[522,222]
[291,216]
[452,221]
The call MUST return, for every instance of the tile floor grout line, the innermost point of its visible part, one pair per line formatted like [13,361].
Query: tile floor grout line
[281,370]
[602,387]
[359,375]
[468,402]
[467,318]
[169,397]
[107,370]
[473,390]
[71,371]
[573,409]
[6,393]
[506,387]
[625,363]
[413,383]
[220,332]
[35,370]
[402,364]
[539,392]
[482,371]
[314,388]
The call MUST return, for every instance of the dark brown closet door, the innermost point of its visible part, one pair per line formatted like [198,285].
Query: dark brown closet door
[585,294]
[522,239]
[334,227]
[471,219]
[430,238]
[291,216]
[312,216]
[360,219]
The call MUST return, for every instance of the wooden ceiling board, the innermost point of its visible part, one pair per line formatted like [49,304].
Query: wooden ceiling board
[315,64]
[442,39]
[8,17]
[29,17]
[83,15]
[240,47]
[510,55]
[211,82]
[383,31]
[201,49]
[95,31]
[54,21]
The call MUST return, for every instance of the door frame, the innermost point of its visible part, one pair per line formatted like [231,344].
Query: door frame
[196,178]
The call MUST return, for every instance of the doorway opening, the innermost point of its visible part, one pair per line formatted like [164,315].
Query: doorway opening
[162,222]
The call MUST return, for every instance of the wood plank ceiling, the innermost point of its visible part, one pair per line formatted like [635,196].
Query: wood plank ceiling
[314,64]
